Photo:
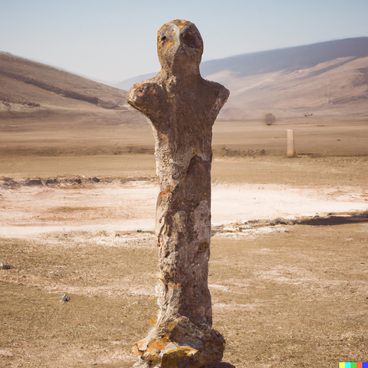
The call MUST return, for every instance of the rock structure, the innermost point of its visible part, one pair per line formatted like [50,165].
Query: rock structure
[181,107]
[290,148]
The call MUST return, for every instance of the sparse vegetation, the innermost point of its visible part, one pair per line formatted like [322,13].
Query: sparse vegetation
[269,118]
[228,152]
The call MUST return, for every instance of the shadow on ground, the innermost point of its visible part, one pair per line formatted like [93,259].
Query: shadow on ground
[335,220]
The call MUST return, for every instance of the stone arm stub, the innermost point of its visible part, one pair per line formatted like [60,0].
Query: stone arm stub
[222,96]
[149,98]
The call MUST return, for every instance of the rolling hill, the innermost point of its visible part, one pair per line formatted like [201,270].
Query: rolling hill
[327,78]
[47,111]
[29,85]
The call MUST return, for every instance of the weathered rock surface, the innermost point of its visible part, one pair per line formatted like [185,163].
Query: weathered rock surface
[181,107]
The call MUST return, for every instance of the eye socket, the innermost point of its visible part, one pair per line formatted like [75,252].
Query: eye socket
[163,38]
[190,39]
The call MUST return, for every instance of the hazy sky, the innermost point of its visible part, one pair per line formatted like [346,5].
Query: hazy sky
[113,40]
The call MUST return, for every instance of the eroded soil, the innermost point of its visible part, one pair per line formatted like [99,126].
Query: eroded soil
[282,296]
[284,293]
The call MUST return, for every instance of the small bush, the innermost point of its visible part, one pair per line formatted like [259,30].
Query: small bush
[269,118]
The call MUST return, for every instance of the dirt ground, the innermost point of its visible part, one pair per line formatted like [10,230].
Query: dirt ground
[288,280]
[118,133]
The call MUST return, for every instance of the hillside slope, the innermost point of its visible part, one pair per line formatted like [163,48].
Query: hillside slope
[337,87]
[44,110]
[29,84]
[288,59]
[327,78]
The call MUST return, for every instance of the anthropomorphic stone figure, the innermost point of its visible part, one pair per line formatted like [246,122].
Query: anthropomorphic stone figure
[181,107]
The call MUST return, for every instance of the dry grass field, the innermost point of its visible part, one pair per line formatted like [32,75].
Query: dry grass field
[286,292]
[289,264]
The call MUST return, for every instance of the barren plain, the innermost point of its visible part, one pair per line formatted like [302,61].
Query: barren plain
[289,264]
[288,267]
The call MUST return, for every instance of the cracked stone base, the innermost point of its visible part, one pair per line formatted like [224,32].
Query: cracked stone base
[179,344]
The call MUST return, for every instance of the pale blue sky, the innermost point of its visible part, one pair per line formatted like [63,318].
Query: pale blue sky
[113,40]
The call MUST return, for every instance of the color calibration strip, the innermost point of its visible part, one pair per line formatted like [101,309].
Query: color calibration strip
[353,365]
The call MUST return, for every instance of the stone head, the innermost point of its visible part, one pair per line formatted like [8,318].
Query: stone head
[179,48]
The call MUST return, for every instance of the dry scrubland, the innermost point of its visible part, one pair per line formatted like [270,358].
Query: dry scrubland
[78,180]
[283,295]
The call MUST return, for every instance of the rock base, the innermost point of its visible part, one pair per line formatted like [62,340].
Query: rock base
[178,343]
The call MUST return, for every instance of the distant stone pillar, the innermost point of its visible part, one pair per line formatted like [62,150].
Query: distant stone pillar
[290,143]
[181,107]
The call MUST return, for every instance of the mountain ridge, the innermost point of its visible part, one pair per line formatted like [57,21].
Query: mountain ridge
[328,78]
[16,72]
[288,58]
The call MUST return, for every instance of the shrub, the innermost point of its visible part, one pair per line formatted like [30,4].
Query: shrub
[269,118]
